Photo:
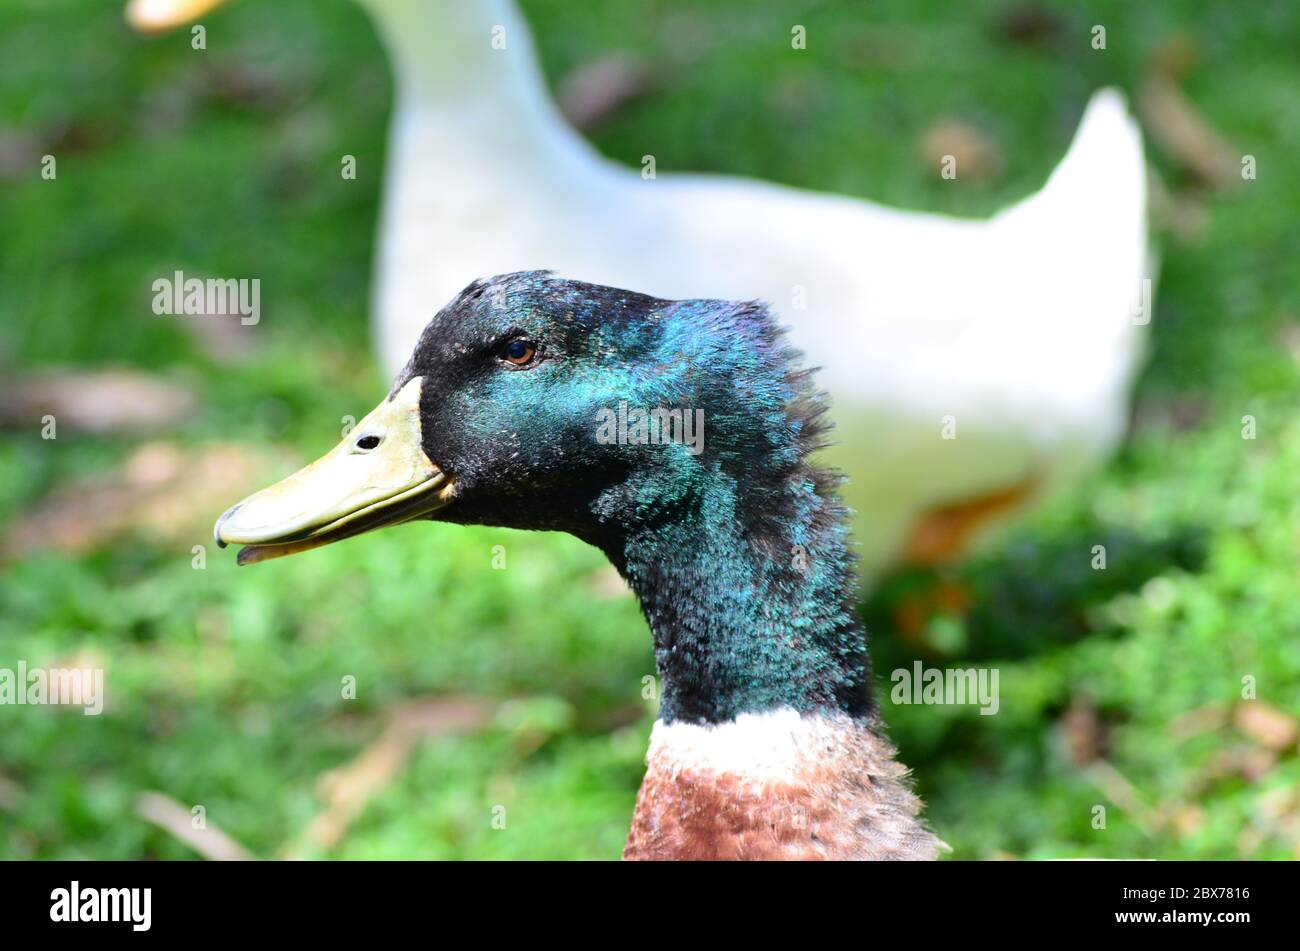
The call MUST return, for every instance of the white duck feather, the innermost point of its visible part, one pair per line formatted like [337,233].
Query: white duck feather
[1019,334]
[968,361]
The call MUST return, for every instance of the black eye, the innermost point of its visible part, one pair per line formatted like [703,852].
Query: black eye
[519,352]
[368,442]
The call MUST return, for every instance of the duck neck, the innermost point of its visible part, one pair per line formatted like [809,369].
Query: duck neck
[467,76]
[752,610]
[767,745]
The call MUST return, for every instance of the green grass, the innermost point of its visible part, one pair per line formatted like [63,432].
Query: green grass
[224,684]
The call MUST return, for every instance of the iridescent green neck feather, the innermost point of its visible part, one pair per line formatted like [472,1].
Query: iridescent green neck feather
[745,623]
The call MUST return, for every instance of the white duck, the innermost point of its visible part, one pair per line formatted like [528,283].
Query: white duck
[972,364]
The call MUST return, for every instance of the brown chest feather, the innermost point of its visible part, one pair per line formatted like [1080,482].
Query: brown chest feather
[848,801]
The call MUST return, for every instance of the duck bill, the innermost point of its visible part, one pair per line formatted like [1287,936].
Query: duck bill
[378,475]
[159,16]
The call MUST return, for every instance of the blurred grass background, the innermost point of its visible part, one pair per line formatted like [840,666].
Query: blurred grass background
[1120,688]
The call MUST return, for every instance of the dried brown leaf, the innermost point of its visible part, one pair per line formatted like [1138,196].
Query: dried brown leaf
[1084,734]
[1174,122]
[99,402]
[977,157]
[162,490]
[1268,726]
[597,90]
[1203,719]
[348,788]
[177,820]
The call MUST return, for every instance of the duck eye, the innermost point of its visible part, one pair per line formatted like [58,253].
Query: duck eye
[519,352]
[368,442]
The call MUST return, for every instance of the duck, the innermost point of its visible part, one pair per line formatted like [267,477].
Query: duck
[976,365]
[542,403]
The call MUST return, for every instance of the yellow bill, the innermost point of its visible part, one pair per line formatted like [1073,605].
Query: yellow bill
[378,475]
[158,16]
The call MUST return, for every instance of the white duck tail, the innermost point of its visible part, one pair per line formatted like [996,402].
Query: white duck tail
[1086,263]
[1035,321]
[1095,201]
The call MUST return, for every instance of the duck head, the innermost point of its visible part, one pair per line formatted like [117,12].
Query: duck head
[534,402]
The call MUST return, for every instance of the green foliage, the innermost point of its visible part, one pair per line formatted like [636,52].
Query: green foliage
[224,684]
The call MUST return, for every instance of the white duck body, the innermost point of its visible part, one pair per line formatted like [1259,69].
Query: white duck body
[1017,332]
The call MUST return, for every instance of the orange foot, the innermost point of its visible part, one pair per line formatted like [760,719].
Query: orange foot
[938,538]
[942,534]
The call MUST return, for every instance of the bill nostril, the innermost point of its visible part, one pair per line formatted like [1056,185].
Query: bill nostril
[368,441]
